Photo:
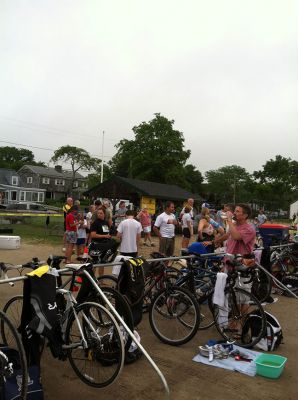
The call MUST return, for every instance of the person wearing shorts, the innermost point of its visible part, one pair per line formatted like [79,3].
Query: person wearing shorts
[187,227]
[145,219]
[71,224]
[164,228]
[81,234]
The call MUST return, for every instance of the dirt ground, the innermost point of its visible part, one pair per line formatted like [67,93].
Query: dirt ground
[186,379]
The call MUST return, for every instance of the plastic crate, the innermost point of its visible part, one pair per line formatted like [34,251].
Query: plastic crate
[10,242]
[270,365]
[271,233]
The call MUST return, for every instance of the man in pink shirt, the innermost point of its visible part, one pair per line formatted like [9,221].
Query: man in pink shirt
[241,235]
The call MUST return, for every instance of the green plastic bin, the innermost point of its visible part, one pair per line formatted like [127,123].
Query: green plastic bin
[270,365]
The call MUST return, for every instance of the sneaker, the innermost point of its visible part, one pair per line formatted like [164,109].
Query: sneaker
[152,245]
[270,300]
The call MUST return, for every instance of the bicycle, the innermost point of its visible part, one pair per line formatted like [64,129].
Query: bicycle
[90,336]
[101,352]
[12,357]
[232,317]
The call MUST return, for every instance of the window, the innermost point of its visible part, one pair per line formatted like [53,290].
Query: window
[84,185]
[28,196]
[40,197]
[14,180]
[34,196]
[29,179]
[59,182]
[46,181]
[22,196]
[75,184]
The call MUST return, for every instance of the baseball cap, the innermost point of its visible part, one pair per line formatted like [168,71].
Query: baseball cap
[205,205]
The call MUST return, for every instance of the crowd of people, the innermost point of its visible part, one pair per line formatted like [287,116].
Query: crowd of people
[229,227]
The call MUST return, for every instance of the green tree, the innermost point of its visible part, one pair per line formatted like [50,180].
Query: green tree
[78,158]
[229,184]
[278,181]
[156,154]
[95,177]
[193,179]
[14,158]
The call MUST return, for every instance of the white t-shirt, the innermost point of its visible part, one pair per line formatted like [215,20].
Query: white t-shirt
[81,232]
[129,228]
[186,217]
[166,230]
[89,218]
[183,212]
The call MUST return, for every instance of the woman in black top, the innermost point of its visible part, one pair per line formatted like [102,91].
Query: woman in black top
[100,234]
[99,230]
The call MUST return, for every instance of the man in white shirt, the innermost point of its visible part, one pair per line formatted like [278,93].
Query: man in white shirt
[164,228]
[129,232]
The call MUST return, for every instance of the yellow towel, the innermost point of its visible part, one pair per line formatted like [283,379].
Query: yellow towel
[40,271]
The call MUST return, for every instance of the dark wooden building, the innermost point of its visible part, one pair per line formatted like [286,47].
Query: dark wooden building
[135,190]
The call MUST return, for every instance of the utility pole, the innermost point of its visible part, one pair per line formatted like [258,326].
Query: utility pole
[102,143]
[234,196]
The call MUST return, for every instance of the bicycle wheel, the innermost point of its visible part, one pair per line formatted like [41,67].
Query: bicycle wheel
[121,306]
[261,286]
[19,364]
[232,320]
[107,281]
[174,315]
[206,312]
[13,310]
[97,356]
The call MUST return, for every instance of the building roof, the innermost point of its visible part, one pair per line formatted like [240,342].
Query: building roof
[6,174]
[119,187]
[51,172]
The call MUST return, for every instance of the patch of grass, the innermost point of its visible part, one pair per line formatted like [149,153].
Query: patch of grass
[34,229]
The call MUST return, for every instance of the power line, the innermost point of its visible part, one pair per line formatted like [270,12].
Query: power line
[41,148]
[26,145]
[54,131]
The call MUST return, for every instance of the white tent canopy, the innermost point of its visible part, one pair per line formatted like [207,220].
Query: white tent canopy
[294,209]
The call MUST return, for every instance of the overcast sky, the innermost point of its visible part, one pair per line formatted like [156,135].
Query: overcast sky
[225,70]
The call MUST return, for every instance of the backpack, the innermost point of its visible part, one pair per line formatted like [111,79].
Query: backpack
[12,385]
[273,333]
[131,284]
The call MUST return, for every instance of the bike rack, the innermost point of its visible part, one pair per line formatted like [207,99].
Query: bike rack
[76,267]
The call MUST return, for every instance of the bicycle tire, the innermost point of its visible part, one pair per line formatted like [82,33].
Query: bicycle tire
[206,312]
[15,342]
[174,315]
[107,281]
[261,286]
[232,325]
[122,307]
[13,310]
[100,363]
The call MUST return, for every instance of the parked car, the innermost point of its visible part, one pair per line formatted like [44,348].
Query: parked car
[34,208]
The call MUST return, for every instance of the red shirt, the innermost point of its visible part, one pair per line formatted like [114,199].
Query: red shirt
[70,220]
[246,244]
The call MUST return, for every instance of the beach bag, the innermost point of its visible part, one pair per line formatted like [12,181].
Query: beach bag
[273,335]
[131,284]
[12,385]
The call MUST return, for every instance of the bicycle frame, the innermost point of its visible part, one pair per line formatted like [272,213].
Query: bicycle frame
[76,268]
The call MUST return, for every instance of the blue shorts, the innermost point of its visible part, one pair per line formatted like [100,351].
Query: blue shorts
[81,241]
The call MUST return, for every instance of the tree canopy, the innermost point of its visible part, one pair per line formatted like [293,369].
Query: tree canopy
[78,158]
[14,158]
[278,181]
[156,154]
[229,184]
